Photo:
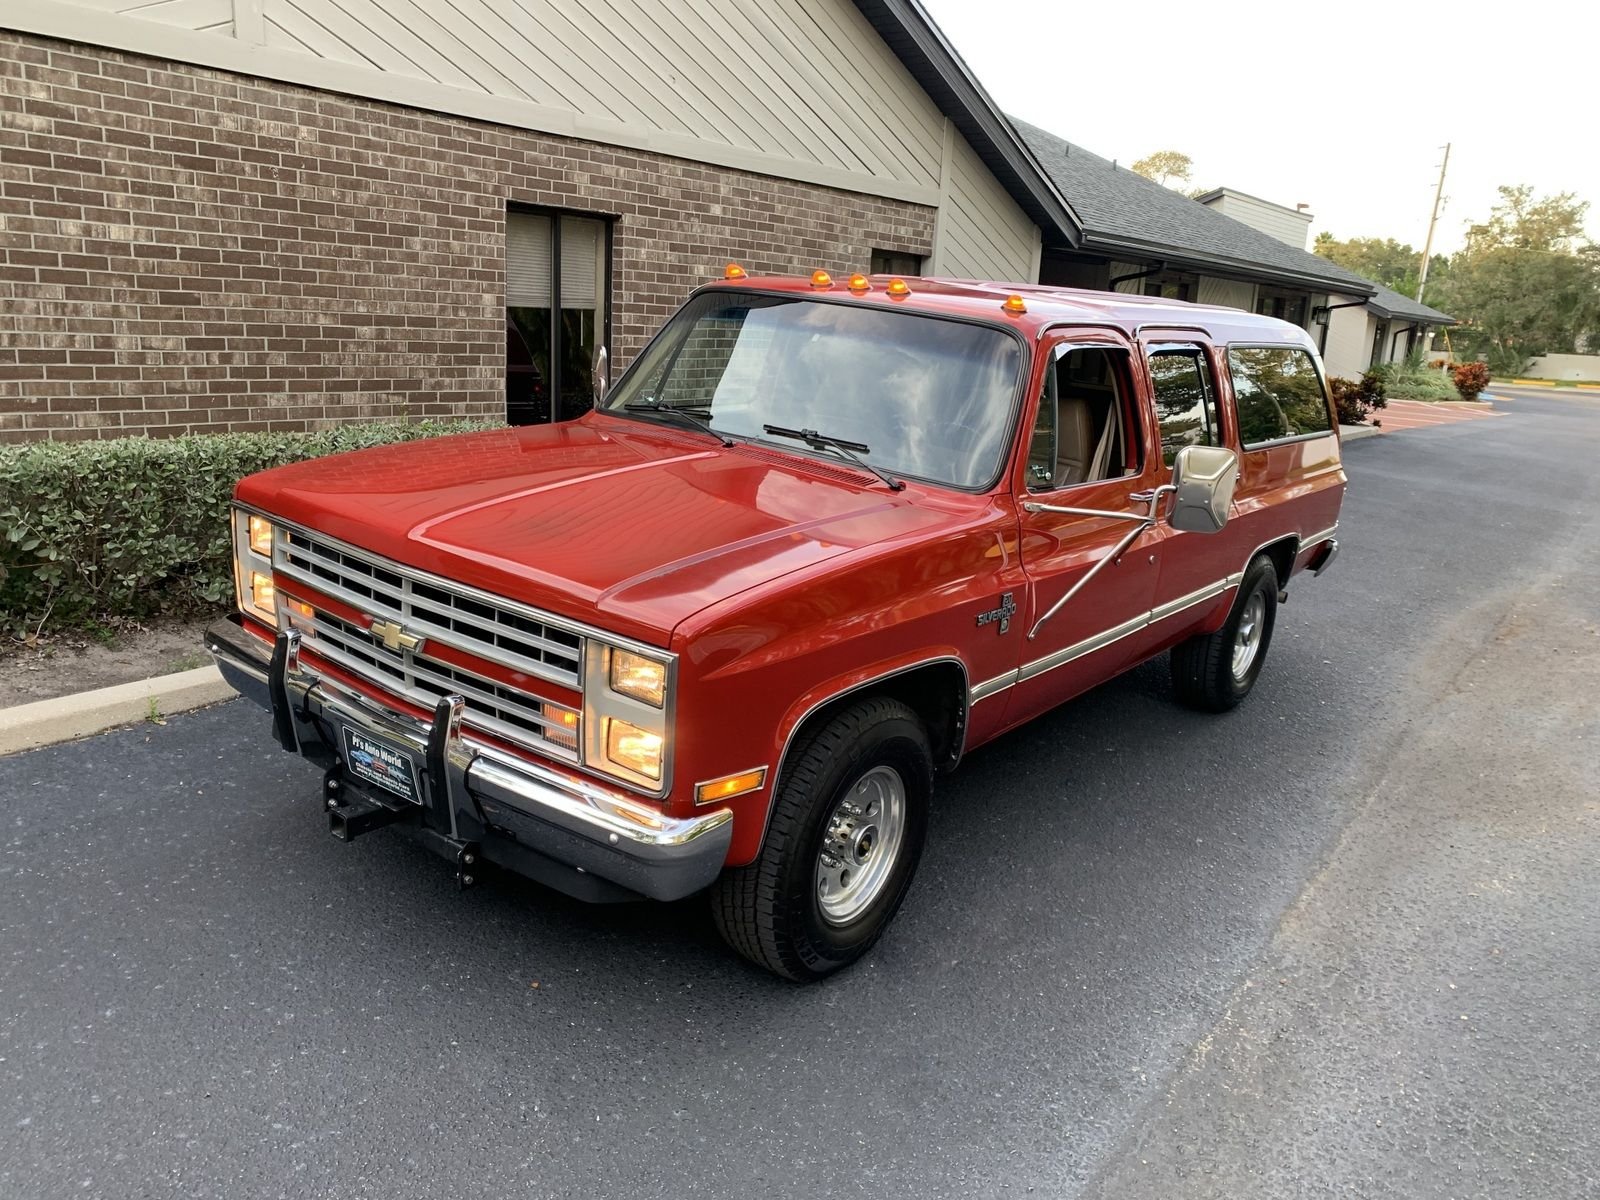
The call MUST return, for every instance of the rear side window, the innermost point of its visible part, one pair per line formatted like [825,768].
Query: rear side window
[1186,403]
[1279,394]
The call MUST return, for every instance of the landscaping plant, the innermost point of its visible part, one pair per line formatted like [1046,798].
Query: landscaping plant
[1356,399]
[1422,383]
[137,527]
[1470,378]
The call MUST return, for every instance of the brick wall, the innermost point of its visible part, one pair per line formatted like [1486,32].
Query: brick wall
[184,250]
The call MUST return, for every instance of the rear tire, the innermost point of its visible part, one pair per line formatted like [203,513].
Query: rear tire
[844,840]
[1213,672]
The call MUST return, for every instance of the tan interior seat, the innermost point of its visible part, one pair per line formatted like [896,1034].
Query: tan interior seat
[1075,444]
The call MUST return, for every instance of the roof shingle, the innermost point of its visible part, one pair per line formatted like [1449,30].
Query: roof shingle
[1390,303]
[1124,211]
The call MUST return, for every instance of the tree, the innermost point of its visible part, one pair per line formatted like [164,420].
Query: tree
[1164,166]
[1393,264]
[1527,282]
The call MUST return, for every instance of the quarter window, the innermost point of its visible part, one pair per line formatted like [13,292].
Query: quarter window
[1186,403]
[1279,394]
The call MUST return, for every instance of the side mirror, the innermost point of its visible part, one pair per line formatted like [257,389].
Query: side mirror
[600,378]
[1202,481]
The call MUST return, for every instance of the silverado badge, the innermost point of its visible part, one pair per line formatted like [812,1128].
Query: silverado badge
[1003,614]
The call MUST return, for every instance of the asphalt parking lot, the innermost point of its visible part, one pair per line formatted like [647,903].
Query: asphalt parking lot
[1344,941]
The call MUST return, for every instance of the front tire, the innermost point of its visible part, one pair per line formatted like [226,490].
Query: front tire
[1213,672]
[844,840]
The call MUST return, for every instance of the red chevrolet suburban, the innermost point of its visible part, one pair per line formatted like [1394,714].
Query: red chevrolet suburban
[819,541]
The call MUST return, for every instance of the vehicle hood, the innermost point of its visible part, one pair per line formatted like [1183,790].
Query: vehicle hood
[627,526]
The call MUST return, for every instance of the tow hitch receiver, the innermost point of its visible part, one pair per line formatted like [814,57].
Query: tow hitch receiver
[350,814]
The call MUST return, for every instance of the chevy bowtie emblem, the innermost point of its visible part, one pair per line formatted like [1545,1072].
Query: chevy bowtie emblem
[393,635]
[1003,614]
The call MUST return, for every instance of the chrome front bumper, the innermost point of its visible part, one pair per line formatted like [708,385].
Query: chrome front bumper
[561,830]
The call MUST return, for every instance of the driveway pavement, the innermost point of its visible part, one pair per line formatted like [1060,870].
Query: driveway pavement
[1420,414]
[1340,942]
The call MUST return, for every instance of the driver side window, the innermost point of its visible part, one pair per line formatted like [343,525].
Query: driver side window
[1087,428]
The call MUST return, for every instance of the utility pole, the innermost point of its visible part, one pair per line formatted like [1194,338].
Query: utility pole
[1427,246]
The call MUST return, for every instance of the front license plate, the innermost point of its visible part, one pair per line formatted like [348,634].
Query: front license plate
[382,765]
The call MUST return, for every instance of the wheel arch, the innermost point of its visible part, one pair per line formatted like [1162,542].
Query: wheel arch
[936,689]
[1282,552]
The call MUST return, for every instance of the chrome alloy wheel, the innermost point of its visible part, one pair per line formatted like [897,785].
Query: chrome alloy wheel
[1247,638]
[860,845]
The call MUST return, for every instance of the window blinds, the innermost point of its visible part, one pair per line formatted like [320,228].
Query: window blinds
[581,248]
[527,260]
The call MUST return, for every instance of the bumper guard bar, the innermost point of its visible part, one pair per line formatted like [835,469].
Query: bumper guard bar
[571,833]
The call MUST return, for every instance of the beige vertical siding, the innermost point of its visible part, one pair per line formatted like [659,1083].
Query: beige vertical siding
[1349,340]
[211,16]
[1274,220]
[794,89]
[804,81]
[1231,293]
[1133,287]
[982,234]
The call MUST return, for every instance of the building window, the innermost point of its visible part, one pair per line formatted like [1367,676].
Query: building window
[894,262]
[550,347]
[1286,306]
[1380,336]
[1172,285]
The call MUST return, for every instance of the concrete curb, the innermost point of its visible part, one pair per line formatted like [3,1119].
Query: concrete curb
[1354,433]
[1564,385]
[45,722]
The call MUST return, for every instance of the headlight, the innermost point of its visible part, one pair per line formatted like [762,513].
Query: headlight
[637,750]
[627,703]
[252,567]
[260,536]
[640,677]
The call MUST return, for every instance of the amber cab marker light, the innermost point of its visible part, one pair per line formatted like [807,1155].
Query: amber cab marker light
[898,288]
[733,271]
[821,279]
[859,284]
[729,786]
[1014,304]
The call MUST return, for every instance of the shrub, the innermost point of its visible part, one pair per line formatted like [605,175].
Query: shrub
[1508,362]
[1357,398]
[136,527]
[1424,384]
[1470,378]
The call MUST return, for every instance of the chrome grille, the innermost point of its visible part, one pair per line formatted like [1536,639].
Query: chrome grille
[440,614]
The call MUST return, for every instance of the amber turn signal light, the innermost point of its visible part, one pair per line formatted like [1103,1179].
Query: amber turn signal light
[898,288]
[729,786]
[300,608]
[821,279]
[733,271]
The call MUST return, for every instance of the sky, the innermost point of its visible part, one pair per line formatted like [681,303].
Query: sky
[1343,105]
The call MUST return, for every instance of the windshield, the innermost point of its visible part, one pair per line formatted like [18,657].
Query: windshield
[918,395]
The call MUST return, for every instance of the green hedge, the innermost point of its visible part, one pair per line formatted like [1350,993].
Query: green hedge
[135,527]
[1423,383]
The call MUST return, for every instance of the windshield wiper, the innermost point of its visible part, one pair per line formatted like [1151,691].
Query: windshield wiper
[698,418]
[852,451]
